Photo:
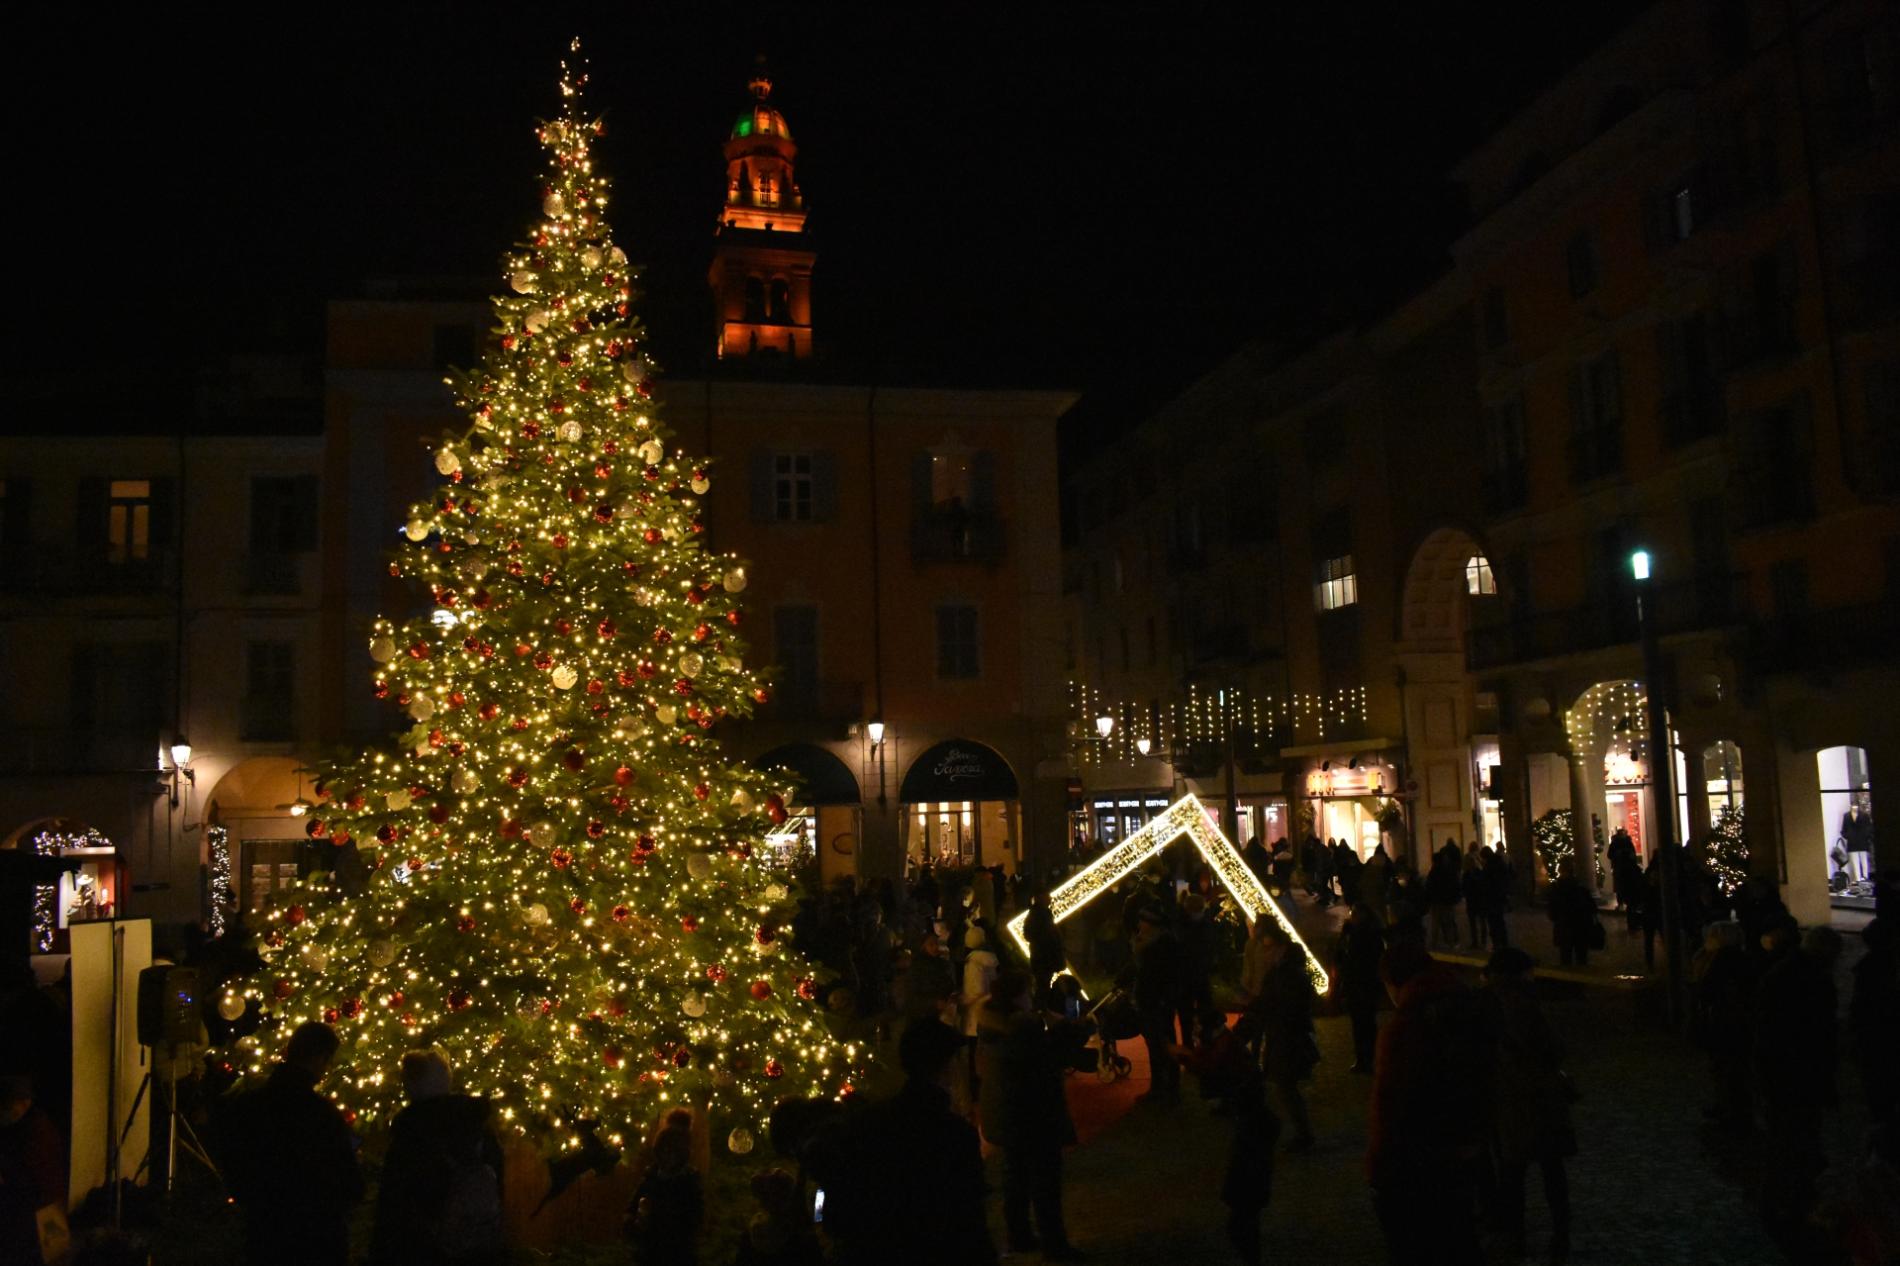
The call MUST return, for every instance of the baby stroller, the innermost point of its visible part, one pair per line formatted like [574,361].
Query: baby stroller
[1114,1019]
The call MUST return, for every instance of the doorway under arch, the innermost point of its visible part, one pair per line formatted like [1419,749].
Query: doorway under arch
[254,843]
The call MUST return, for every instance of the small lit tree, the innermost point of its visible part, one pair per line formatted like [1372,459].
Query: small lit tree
[562,890]
[1728,849]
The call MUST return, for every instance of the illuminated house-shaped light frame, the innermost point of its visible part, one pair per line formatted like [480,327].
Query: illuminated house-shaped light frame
[1188,817]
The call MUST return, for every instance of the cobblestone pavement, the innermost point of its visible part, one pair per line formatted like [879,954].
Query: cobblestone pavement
[1648,1185]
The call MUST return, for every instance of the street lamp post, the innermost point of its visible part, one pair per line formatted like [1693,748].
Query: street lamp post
[1661,774]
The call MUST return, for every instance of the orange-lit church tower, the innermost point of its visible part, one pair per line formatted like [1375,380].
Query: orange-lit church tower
[762,259]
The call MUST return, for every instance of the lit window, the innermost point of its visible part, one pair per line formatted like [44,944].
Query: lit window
[1478,577]
[129,520]
[1338,586]
[791,487]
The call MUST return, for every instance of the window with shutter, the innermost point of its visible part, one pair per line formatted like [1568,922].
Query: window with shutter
[795,642]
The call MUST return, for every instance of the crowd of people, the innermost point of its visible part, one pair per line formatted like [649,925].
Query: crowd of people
[1467,1090]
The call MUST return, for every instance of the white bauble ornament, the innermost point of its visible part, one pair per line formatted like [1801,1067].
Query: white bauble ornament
[741,799]
[521,281]
[317,957]
[535,915]
[694,1005]
[734,663]
[565,677]
[734,580]
[382,952]
[626,511]
[776,892]
[698,865]
[670,533]
[415,529]
[231,1006]
[569,430]
[690,664]
[700,484]
[465,780]
[666,714]
[590,257]
[618,256]
[554,204]
[542,833]
[651,452]
[631,371]
[446,462]
[422,707]
[382,649]
[740,1141]
[645,596]
[537,320]
[627,724]
[398,800]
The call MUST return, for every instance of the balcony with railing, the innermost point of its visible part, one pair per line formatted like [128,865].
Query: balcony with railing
[1698,604]
[956,535]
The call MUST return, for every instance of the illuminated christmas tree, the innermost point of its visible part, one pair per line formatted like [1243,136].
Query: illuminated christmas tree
[563,891]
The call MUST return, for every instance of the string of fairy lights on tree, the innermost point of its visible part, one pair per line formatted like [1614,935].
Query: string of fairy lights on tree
[566,884]
[1209,716]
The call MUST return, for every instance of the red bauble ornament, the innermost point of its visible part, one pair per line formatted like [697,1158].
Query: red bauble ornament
[394,1000]
[701,632]
[651,536]
[523,650]
[465,924]
[574,759]
[314,828]
[510,829]
[530,429]
[604,512]
[762,695]
[418,650]
[605,630]
[807,988]
[716,974]
[559,542]
[775,808]
[644,845]
[689,923]
[682,1056]
[647,669]
[519,723]
[623,776]
[436,738]
[352,1007]
[438,813]
[457,698]
[766,935]
[560,859]
[760,990]
[458,999]
[283,989]
[701,791]
[544,661]
[683,687]
[611,1056]
[386,833]
[621,914]
[695,597]
[577,906]
[295,915]
[596,829]
[489,711]
[774,1069]
[518,776]
[596,686]
[662,636]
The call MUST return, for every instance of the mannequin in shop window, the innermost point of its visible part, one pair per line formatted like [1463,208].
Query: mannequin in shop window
[1857,837]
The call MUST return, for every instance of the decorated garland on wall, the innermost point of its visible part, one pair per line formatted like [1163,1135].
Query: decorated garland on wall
[54,843]
[223,896]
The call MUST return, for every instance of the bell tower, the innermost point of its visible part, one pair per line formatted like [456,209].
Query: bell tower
[762,258]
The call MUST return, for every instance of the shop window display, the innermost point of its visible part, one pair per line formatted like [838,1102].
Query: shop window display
[1847,822]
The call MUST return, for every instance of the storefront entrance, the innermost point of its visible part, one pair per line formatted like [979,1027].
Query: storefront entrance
[823,817]
[961,808]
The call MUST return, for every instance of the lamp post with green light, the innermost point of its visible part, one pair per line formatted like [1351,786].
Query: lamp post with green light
[1661,773]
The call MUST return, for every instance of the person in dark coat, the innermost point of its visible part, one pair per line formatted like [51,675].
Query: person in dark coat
[1530,1117]
[1046,959]
[1025,1112]
[1873,1023]
[873,1163]
[1346,867]
[1477,891]
[1428,1124]
[1796,1052]
[1626,869]
[930,985]
[1443,891]
[1573,916]
[1721,991]
[1197,964]
[1156,976]
[1258,859]
[1247,1184]
[1284,1011]
[1356,975]
[32,1171]
[1497,895]
[439,1199]
[669,1205]
[289,1160]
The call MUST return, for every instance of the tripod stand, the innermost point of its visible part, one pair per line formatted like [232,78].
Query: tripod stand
[167,1058]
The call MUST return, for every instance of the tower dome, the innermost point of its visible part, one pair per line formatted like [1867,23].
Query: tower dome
[762,259]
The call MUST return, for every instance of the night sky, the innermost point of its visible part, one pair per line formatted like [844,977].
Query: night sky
[1099,197]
